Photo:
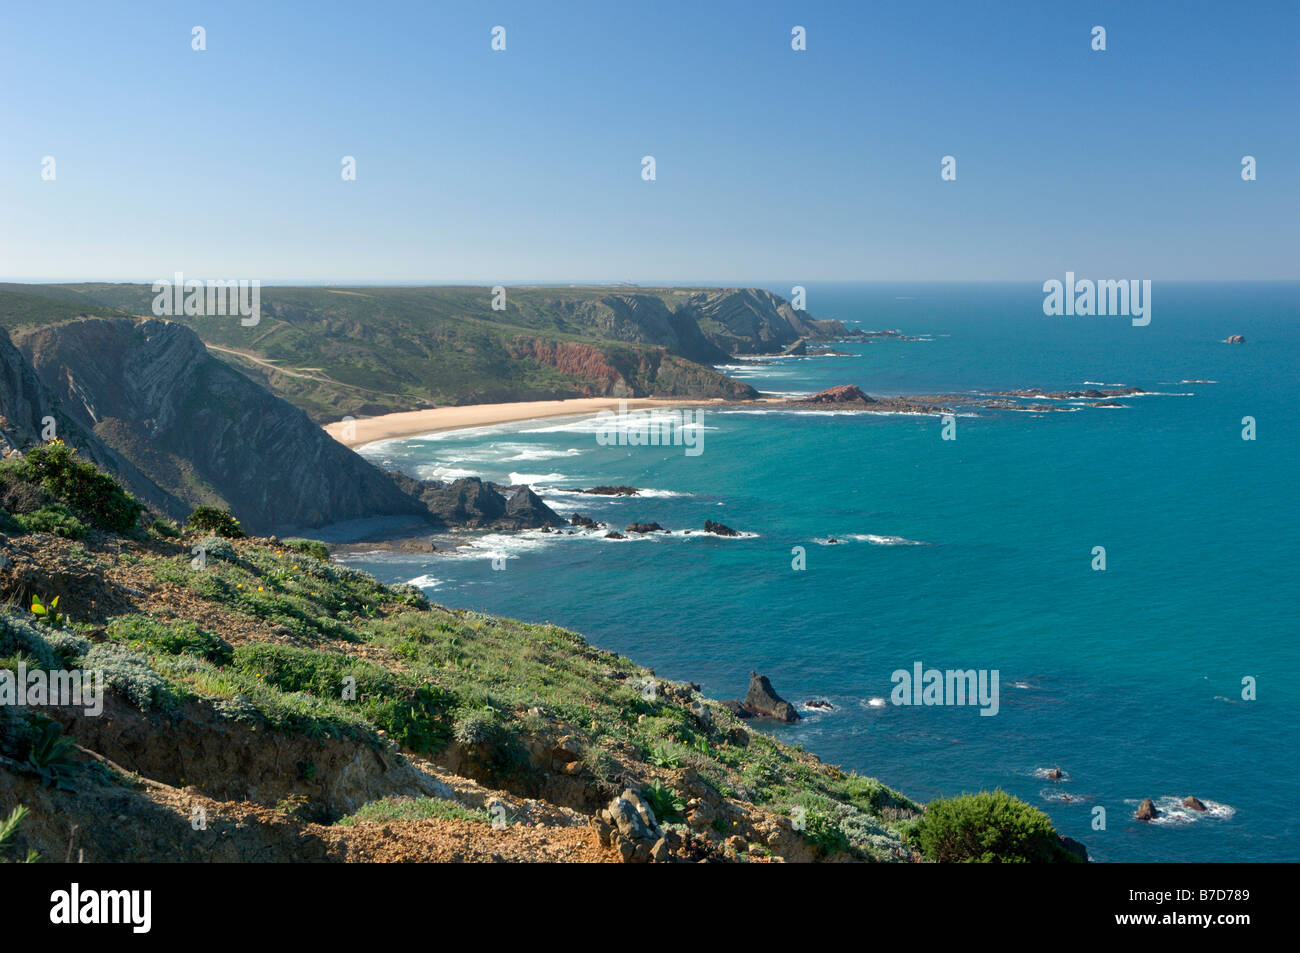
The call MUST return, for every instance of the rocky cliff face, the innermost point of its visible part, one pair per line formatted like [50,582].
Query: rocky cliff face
[618,372]
[753,321]
[704,326]
[27,409]
[202,431]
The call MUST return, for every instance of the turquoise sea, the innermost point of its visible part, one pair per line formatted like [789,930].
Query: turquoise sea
[974,553]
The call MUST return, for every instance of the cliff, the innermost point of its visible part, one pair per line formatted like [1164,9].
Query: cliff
[155,402]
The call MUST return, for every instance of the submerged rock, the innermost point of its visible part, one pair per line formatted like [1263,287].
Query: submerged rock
[612,491]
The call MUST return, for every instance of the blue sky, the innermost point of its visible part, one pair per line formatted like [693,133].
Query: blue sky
[521,166]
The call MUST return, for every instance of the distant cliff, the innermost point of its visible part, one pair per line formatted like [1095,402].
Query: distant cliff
[155,402]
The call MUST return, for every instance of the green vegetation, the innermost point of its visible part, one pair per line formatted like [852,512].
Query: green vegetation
[666,803]
[51,757]
[143,633]
[8,827]
[414,715]
[53,518]
[47,614]
[93,496]
[212,519]
[389,809]
[311,547]
[989,827]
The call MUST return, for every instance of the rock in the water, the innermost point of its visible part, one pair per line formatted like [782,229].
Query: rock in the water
[718,529]
[646,528]
[819,705]
[1235,339]
[612,491]
[1054,774]
[614,534]
[1194,803]
[577,519]
[843,394]
[1147,810]
[762,699]
[737,708]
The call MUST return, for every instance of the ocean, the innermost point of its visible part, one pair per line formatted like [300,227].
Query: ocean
[971,553]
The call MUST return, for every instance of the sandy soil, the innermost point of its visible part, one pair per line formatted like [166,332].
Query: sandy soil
[411,423]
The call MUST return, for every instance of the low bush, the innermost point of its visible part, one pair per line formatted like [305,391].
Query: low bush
[129,674]
[311,547]
[989,827]
[53,518]
[212,519]
[92,494]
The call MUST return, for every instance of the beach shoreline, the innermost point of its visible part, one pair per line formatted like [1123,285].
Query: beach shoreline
[414,423]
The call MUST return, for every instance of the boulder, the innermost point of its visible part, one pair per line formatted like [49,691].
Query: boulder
[718,529]
[645,528]
[737,708]
[527,509]
[762,700]
[1194,803]
[1147,810]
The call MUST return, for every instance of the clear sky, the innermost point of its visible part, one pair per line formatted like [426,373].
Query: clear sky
[525,165]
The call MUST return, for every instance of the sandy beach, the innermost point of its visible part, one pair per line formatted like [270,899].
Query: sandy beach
[411,423]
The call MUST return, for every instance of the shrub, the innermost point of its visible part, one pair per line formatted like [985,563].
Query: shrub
[311,547]
[989,827]
[211,519]
[476,726]
[95,496]
[129,673]
[20,637]
[166,529]
[410,595]
[8,524]
[218,548]
[53,518]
